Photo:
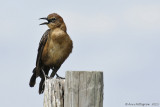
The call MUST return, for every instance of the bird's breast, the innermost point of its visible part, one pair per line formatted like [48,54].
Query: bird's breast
[56,49]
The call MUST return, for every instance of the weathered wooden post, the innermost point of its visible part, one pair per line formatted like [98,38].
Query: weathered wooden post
[54,93]
[81,89]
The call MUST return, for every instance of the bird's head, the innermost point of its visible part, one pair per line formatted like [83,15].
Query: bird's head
[54,21]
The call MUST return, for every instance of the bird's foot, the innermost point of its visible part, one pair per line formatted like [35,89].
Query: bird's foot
[58,77]
[47,77]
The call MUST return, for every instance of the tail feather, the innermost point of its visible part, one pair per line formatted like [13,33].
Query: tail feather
[42,76]
[41,86]
[38,72]
[33,78]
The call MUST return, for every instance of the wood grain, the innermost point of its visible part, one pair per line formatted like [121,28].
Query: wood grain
[54,93]
[83,89]
[79,89]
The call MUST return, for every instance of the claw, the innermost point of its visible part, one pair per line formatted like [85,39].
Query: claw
[58,77]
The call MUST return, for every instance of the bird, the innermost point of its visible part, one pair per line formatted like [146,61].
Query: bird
[54,48]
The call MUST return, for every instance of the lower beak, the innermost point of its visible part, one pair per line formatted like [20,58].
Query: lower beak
[45,23]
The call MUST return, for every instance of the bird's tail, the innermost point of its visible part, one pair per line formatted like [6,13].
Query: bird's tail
[43,75]
[33,78]
[41,86]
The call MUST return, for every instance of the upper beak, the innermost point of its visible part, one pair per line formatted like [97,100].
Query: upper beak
[44,22]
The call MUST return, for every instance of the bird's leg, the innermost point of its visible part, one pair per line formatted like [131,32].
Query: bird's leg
[54,72]
[58,77]
[45,76]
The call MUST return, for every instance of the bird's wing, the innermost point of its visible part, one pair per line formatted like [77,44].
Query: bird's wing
[41,47]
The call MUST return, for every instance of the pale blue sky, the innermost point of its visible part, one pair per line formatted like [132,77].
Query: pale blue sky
[119,37]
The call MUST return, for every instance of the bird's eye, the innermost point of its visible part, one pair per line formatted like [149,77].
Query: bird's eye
[53,19]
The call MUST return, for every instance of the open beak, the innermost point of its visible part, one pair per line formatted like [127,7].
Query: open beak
[45,23]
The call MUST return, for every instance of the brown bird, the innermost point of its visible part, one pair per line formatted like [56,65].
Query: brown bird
[54,48]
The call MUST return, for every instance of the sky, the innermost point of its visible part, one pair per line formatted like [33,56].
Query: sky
[119,37]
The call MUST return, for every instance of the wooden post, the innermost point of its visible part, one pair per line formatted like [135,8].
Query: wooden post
[81,89]
[54,93]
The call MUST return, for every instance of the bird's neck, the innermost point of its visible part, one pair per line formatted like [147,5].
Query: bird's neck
[63,27]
